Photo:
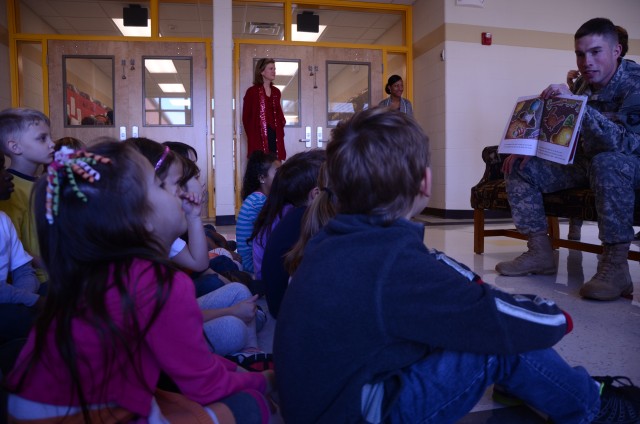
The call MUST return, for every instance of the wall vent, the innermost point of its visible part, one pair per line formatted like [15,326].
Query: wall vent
[262,28]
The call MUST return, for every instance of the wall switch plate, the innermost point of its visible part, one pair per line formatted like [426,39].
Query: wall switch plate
[134,131]
[123,133]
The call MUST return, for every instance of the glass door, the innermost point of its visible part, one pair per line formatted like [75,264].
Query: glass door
[139,89]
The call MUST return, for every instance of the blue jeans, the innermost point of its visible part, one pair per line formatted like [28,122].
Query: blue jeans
[206,283]
[446,385]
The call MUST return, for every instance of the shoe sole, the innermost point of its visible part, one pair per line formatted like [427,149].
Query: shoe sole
[549,271]
[627,292]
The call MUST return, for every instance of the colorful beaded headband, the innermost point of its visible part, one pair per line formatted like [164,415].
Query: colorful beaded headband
[162,158]
[69,162]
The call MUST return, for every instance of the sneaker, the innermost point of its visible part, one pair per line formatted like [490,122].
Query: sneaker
[252,361]
[619,403]
[261,319]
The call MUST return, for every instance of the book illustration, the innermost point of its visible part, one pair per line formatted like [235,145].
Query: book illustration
[560,121]
[547,128]
[525,119]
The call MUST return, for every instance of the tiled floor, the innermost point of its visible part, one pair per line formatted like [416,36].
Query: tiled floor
[606,335]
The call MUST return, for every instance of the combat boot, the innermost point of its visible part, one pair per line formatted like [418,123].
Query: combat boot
[612,278]
[537,260]
[575,229]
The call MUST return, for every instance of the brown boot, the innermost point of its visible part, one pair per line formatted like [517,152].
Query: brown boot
[575,229]
[537,260]
[612,279]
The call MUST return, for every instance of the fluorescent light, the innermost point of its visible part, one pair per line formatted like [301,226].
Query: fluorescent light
[306,36]
[286,68]
[131,31]
[160,66]
[180,102]
[172,88]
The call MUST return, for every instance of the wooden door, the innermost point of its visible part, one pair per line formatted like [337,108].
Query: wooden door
[137,103]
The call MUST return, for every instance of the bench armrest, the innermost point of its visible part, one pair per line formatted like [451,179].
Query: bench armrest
[493,164]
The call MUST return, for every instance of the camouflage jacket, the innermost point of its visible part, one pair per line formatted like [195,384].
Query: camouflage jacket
[612,119]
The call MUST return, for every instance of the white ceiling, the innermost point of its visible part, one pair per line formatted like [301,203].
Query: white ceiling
[93,17]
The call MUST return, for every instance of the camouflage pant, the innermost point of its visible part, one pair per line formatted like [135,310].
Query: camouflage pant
[613,177]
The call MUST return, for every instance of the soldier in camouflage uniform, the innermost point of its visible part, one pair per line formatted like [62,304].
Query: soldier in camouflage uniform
[608,161]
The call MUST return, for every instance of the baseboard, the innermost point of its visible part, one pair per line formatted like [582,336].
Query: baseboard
[225,220]
[464,214]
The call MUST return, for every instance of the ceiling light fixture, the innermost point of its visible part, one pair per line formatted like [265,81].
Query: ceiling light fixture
[129,31]
[306,36]
[160,66]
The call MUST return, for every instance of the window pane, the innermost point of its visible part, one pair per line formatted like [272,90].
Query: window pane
[288,81]
[258,21]
[348,90]
[89,88]
[79,17]
[186,19]
[167,90]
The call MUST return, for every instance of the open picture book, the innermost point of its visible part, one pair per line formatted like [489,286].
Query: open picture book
[545,128]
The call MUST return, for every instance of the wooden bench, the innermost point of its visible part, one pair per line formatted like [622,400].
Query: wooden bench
[490,194]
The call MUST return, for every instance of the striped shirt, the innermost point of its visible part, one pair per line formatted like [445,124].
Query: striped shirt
[244,227]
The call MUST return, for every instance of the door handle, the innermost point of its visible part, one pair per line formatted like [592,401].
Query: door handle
[307,139]
[319,139]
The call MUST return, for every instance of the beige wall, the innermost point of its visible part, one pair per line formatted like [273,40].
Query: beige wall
[464,101]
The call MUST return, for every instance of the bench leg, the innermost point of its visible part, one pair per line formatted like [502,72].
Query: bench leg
[478,231]
[554,230]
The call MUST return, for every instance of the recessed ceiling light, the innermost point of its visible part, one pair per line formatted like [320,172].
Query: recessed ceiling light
[306,36]
[131,31]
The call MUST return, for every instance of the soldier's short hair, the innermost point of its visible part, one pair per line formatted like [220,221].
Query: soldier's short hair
[598,26]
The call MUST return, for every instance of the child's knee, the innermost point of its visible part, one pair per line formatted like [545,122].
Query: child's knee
[242,292]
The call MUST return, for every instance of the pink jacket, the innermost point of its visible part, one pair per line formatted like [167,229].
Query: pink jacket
[174,344]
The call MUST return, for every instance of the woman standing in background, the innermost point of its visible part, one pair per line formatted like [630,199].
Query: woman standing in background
[262,114]
[395,88]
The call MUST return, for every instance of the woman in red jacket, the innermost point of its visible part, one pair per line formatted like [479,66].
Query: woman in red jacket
[262,115]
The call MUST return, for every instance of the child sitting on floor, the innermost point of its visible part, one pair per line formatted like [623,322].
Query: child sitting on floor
[117,311]
[20,300]
[230,310]
[256,185]
[397,333]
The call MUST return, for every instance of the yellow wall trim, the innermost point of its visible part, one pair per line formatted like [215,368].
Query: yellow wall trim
[428,42]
